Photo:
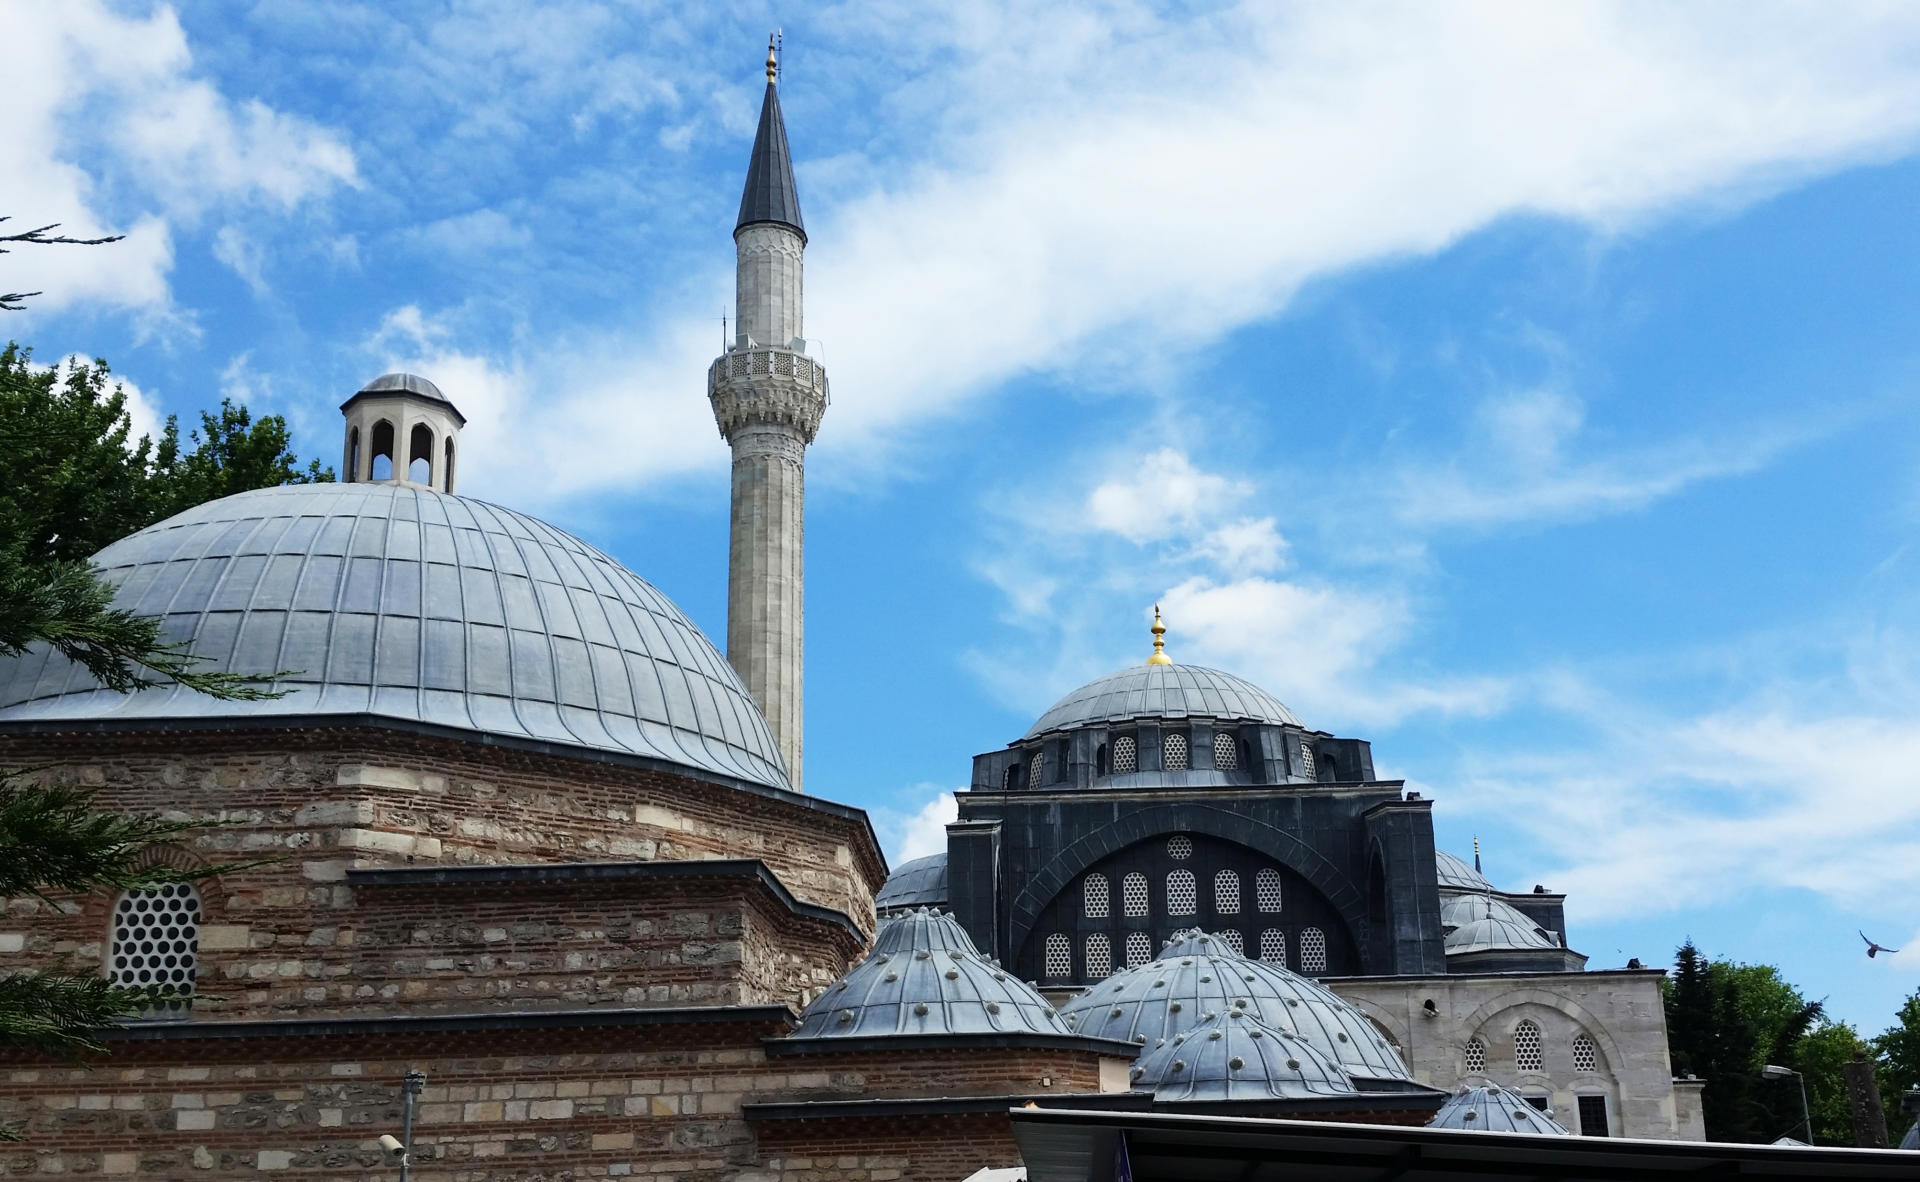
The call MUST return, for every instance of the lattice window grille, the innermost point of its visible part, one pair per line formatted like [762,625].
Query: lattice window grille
[1273,947]
[1059,960]
[1139,949]
[1313,951]
[1266,891]
[1226,893]
[1174,752]
[1093,896]
[1306,760]
[1182,899]
[1133,894]
[1527,1048]
[1475,1060]
[1099,957]
[1235,941]
[1180,847]
[156,942]
[1586,1057]
[1226,752]
[1037,771]
[1125,755]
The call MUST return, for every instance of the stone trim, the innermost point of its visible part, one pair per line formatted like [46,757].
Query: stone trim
[405,1024]
[802,1110]
[523,874]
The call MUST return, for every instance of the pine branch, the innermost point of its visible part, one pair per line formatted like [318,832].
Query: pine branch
[52,839]
[15,301]
[62,1013]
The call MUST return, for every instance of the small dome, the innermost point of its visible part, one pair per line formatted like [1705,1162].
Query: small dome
[924,976]
[1198,975]
[1457,874]
[1493,1109]
[919,883]
[403,383]
[1480,923]
[391,601]
[1231,1055]
[1163,691]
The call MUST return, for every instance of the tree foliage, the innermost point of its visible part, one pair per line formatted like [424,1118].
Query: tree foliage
[76,480]
[1897,1050]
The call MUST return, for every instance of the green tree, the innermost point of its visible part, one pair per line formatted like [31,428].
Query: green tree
[1897,1050]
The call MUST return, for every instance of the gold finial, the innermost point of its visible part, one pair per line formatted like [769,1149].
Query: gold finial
[1159,631]
[773,64]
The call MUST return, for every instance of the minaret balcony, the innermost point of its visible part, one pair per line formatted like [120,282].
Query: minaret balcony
[756,385]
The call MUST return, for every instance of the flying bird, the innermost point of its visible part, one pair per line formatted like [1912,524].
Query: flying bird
[1873,949]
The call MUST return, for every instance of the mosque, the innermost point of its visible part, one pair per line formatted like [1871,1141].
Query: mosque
[525,873]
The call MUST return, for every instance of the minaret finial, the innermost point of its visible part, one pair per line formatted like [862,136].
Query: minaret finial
[1476,853]
[773,63]
[1159,631]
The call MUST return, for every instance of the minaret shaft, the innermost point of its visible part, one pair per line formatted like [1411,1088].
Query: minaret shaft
[770,284]
[766,579]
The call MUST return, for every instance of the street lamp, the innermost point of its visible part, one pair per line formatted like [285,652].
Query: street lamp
[1772,1072]
[402,1149]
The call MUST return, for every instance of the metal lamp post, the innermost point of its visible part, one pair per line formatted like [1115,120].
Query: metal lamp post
[412,1086]
[1806,1116]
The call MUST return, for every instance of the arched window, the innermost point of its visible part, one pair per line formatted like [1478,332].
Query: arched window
[1139,949]
[1100,760]
[1586,1056]
[1528,1048]
[1333,769]
[420,454]
[1313,950]
[1226,752]
[447,484]
[1173,751]
[1234,941]
[1179,847]
[1059,955]
[1273,947]
[1226,893]
[156,944]
[1099,957]
[1093,896]
[380,466]
[1306,760]
[1037,770]
[353,455]
[1133,893]
[1125,756]
[1266,891]
[1181,897]
[1475,1059]
[1011,778]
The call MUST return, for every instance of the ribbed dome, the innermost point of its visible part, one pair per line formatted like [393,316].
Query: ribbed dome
[1230,1055]
[400,602]
[919,883]
[1457,874]
[403,383]
[924,976]
[1198,974]
[1478,923]
[1163,691]
[1493,1109]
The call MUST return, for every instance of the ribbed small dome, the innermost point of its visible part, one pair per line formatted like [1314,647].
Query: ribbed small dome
[1480,923]
[1231,1055]
[391,601]
[1457,874]
[919,883]
[403,383]
[1493,1109]
[1199,974]
[1163,691]
[924,976]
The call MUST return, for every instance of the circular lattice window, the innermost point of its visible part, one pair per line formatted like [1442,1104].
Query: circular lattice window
[156,940]
[1179,847]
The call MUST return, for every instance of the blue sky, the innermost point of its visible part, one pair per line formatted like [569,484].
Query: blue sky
[1530,390]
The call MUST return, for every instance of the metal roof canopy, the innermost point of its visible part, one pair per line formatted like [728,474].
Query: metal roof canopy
[1067,1146]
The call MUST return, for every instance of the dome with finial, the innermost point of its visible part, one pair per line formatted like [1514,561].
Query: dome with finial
[1493,1109]
[1198,976]
[1234,1056]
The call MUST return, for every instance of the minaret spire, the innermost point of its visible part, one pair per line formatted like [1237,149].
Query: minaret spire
[768,396]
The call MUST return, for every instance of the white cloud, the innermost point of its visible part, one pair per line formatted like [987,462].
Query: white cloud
[921,832]
[145,417]
[1249,546]
[1165,491]
[108,131]
[243,256]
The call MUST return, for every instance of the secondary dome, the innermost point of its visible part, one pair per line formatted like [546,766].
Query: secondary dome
[1163,691]
[1493,1109]
[1478,923]
[1457,874]
[1198,976]
[395,601]
[924,976]
[919,883]
[1233,1056]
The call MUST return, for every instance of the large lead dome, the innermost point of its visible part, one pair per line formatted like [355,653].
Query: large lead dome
[395,601]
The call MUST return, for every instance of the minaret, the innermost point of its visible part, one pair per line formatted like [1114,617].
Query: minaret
[768,396]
